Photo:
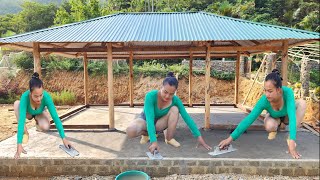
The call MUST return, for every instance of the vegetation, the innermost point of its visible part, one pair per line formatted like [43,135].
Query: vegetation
[64,97]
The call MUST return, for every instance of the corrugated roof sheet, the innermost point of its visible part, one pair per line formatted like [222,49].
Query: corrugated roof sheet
[162,27]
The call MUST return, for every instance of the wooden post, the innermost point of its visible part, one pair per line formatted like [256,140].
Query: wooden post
[236,81]
[250,66]
[85,74]
[36,58]
[110,87]
[190,79]
[207,95]
[284,63]
[131,78]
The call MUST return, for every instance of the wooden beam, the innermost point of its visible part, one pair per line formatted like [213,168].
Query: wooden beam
[85,74]
[131,78]
[304,42]
[255,42]
[207,88]
[78,126]
[284,62]
[190,78]
[264,47]
[110,86]
[36,58]
[236,81]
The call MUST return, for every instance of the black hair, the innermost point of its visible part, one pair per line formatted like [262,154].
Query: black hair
[275,78]
[171,80]
[35,82]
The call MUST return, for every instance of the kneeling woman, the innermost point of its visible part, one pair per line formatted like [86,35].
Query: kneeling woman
[282,110]
[161,112]
[32,106]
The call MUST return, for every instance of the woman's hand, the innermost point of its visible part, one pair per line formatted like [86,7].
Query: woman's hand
[203,143]
[225,143]
[66,143]
[19,151]
[154,146]
[292,149]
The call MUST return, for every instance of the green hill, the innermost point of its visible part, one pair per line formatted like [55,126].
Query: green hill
[13,6]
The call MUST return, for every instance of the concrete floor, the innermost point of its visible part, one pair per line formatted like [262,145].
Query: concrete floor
[102,144]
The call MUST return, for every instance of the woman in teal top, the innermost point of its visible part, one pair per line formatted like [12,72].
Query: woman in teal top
[32,105]
[282,110]
[161,112]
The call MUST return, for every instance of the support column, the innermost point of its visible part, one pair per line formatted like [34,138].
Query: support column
[207,95]
[284,63]
[131,78]
[270,64]
[236,81]
[110,87]
[85,74]
[36,58]
[190,78]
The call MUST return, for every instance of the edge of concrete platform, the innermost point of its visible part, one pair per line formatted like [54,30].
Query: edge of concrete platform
[45,167]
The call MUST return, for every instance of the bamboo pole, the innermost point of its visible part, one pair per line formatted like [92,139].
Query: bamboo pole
[85,74]
[131,78]
[190,79]
[284,64]
[236,82]
[207,95]
[110,87]
[36,58]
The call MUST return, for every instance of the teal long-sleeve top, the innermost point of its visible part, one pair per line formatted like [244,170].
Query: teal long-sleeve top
[25,106]
[152,112]
[263,104]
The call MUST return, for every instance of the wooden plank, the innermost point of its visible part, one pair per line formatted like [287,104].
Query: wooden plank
[131,78]
[284,63]
[78,126]
[207,88]
[236,81]
[310,128]
[36,58]
[110,86]
[71,113]
[190,79]
[86,78]
[261,47]
[232,127]
[185,104]
[161,56]
[255,78]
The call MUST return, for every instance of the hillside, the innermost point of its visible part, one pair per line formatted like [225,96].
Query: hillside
[13,6]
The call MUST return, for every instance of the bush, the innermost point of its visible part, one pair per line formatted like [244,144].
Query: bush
[9,98]
[24,60]
[63,98]
[317,91]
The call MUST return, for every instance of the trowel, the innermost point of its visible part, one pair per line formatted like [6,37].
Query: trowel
[71,151]
[217,151]
[155,155]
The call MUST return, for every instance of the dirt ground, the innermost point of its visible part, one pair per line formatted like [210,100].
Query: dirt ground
[8,121]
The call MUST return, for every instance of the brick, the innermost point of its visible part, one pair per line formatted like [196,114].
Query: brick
[236,170]
[94,162]
[204,163]
[4,170]
[273,171]
[162,171]
[197,170]
[142,162]
[299,172]
[178,163]
[58,162]
[46,162]
[287,172]
[115,170]
[249,170]
[266,164]
[228,163]
[223,170]
[154,163]
[294,164]
[36,162]
[167,163]
[103,169]
[311,165]
[212,170]
[254,163]
[83,162]
[118,162]
[262,171]
[313,172]
[54,170]
[280,164]
[215,163]
[105,162]
[174,170]
[191,163]
[15,170]
[10,162]
[241,163]
[130,162]
[41,170]
[28,170]
[92,169]
[151,171]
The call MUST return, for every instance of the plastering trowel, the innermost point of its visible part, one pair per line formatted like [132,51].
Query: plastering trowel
[71,151]
[155,156]
[217,151]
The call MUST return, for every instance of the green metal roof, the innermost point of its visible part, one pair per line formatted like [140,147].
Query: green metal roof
[162,27]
